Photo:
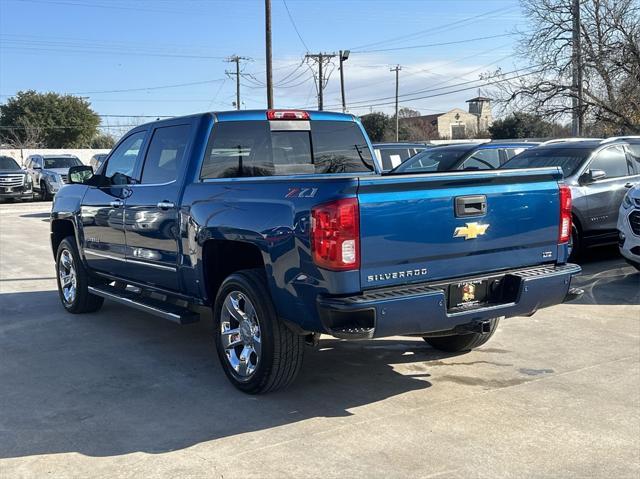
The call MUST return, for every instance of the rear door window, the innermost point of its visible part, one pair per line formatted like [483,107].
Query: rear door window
[613,162]
[165,154]
[250,149]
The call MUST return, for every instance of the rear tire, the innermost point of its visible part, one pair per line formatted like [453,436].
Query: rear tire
[257,351]
[73,280]
[45,194]
[575,243]
[462,342]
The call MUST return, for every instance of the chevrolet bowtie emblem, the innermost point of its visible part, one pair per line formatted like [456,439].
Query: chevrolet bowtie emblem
[471,231]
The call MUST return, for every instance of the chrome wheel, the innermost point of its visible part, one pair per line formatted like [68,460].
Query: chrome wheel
[67,275]
[240,334]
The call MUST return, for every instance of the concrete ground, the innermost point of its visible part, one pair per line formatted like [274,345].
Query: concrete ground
[120,393]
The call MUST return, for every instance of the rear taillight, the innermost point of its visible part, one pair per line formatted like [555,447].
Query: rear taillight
[287,115]
[564,232]
[335,235]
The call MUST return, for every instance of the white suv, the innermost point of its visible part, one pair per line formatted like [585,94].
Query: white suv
[629,227]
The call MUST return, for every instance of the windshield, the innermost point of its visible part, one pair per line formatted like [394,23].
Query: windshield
[392,157]
[569,159]
[432,160]
[62,162]
[8,163]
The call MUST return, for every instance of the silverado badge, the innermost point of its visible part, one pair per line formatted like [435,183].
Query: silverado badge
[471,231]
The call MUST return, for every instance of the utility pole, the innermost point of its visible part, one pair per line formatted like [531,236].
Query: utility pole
[320,58]
[267,29]
[576,100]
[236,59]
[344,55]
[397,70]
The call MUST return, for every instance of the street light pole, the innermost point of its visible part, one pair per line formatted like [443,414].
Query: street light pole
[344,55]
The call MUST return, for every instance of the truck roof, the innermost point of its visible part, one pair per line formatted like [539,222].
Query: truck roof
[257,115]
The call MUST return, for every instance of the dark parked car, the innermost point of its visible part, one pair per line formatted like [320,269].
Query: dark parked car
[392,154]
[463,156]
[15,183]
[599,173]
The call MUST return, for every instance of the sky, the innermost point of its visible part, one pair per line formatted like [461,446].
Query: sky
[134,59]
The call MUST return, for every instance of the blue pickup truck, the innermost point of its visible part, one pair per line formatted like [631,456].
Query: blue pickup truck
[283,224]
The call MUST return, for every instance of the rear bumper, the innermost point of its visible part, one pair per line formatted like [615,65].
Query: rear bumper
[421,309]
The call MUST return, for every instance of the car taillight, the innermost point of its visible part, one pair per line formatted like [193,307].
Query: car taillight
[564,232]
[335,235]
[287,115]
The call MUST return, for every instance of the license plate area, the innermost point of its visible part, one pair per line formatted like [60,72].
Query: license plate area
[469,294]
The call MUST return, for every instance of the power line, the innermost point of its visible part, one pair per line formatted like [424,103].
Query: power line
[236,59]
[320,59]
[294,25]
[161,87]
[427,45]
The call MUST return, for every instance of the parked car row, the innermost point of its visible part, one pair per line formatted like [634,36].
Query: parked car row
[599,173]
[42,175]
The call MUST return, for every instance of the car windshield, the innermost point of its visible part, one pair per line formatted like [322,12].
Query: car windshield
[62,162]
[569,159]
[8,163]
[433,160]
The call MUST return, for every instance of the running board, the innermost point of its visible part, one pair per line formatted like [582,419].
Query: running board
[165,310]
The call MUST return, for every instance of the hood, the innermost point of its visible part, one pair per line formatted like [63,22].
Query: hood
[12,172]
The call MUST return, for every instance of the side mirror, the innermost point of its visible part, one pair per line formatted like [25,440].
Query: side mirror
[597,175]
[80,174]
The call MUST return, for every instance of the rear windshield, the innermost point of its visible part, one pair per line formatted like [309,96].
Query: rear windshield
[569,159]
[8,163]
[62,162]
[432,160]
[250,148]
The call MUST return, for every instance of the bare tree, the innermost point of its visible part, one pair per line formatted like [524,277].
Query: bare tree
[610,51]
[24,135]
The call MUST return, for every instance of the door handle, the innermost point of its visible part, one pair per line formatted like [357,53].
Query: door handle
[116,203]
[628,185]
[166,205]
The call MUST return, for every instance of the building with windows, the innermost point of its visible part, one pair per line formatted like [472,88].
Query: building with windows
[457,123]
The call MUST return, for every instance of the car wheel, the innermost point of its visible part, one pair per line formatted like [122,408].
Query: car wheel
[73,280]
[257,351]
[575,243]
[45,194]
[462,342]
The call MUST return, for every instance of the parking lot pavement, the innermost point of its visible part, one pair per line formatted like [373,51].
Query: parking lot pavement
[119,393]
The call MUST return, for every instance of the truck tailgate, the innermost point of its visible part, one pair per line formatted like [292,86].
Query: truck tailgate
[411,230]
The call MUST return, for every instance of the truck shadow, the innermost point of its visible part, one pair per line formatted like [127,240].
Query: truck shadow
[119,381]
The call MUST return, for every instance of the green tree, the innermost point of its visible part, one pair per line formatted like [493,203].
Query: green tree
[376,125]
[62,121]
[521,125]
[103,141]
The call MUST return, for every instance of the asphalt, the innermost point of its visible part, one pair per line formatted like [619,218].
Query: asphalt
[120,393]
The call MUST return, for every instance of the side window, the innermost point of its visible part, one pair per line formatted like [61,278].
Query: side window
[165,154]
[123,159]
[483,160]
[613,162]
[634,155]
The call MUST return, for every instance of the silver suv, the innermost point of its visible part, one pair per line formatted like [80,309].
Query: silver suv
[49,172]
[599,172]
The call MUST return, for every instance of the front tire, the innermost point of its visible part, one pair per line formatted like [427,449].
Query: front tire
[257,351]
[462,342]
[73,280]
[45,194]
